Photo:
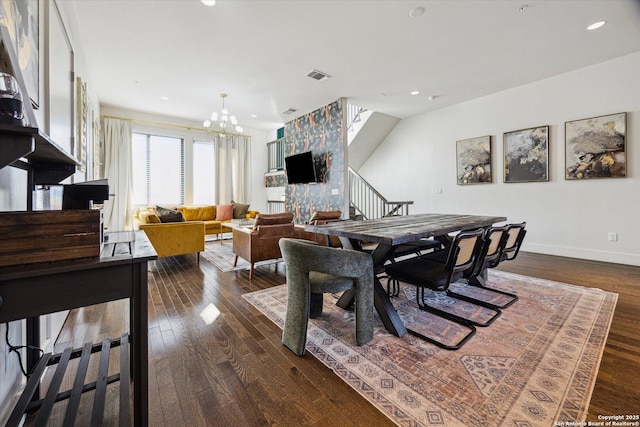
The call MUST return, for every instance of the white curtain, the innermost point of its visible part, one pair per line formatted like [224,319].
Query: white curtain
[117,169]
[233,168]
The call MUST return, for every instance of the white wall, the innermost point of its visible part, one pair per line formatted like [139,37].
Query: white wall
[567,218]
[47,119]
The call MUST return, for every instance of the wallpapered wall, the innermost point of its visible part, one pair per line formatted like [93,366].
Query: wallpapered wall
[275,180]
[320,132]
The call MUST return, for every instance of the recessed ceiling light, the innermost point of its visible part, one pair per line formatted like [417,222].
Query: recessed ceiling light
[523,8]
[164,98]
[416,11]
[208,2]
[415,92]
[254,116]
[596,25]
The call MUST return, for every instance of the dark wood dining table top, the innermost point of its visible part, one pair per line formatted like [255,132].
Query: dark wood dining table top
[396,230]
[389,232]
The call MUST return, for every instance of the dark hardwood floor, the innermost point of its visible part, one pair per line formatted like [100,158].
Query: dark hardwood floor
[214,360]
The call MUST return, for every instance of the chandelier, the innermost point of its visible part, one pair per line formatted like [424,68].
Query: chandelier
[221,123]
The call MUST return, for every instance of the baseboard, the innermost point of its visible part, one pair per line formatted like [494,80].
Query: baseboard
[593,255]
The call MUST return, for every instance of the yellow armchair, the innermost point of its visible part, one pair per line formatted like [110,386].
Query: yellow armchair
[176,238]
[171,238]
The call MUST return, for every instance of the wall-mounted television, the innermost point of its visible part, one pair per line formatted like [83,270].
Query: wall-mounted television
[300,168]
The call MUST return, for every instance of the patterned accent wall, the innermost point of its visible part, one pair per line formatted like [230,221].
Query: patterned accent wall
[275,180]
[322,133]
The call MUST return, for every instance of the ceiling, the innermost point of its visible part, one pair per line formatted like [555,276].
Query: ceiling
[259,52]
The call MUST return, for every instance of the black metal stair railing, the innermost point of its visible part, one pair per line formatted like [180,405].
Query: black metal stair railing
[368,202]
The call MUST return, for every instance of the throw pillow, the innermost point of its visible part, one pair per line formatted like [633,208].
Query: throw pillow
[148,217]
[224,212]
[169,215]
[240,210]
[208,213]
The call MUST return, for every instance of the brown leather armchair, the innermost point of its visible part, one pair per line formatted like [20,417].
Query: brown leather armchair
[319,218]
[261,242]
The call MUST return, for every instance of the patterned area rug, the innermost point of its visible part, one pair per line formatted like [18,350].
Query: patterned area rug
[221,255]
[536,364]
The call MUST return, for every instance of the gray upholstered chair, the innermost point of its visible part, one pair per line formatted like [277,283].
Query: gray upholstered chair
[313,270]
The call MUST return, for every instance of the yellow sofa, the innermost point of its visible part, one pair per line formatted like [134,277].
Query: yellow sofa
[207,214]
[179,238]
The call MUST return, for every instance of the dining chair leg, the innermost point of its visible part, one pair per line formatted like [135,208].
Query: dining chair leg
[235,261]
[455,319]
[456,346]
[480,282]
[423,305]
[315,306]
[393,287]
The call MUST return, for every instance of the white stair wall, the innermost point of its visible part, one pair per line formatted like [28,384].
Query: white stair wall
[367,135]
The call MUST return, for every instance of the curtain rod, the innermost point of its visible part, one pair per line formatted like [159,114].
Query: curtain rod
[149,122]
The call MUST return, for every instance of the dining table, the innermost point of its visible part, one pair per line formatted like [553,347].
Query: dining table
[389,232]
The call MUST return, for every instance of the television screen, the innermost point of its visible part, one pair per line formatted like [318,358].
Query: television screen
[300,168]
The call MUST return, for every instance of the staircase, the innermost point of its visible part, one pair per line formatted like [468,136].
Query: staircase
[354,118]
[366,130]
[366,201]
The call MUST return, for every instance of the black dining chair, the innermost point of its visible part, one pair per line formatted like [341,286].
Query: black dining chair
[414,248]
[436,276]
[511,248]
[494,242]
[508,250]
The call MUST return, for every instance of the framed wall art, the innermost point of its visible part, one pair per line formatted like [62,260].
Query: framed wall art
[98,149]
[526,155]
[62,89]
[596,147]
[473,158]
[82,127]
[21,19]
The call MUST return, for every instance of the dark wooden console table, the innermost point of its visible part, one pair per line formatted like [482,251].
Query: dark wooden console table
[28,291]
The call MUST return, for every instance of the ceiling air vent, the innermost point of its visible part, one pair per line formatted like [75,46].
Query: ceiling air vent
[289,111]
[318,75]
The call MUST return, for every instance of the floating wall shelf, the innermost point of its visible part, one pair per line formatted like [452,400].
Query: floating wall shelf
[51,164]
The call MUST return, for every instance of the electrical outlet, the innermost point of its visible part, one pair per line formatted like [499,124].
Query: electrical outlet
[613,236]
[439,190]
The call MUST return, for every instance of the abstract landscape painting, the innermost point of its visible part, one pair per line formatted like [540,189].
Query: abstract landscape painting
[596,147]
[526,155]
[474,160]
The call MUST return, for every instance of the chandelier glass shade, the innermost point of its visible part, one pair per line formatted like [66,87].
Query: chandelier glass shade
[222,122]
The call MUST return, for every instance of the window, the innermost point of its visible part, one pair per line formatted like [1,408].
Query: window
[203,173]
[158,170]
